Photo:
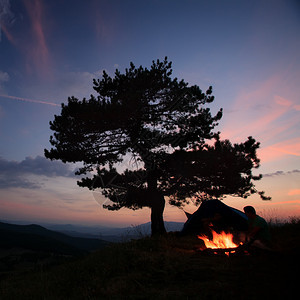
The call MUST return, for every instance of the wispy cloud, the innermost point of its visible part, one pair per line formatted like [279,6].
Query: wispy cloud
[103,23]
[64,85]
[6,17]
[8,35]
[37,50]
[20,174]
[281,173]
[294,192]
[276,151]
[282,101]
[78,84]
[284,202]
[31,40]
[268,116]
[4,77]
[256,109]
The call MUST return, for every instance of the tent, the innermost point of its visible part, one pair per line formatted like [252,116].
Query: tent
[222,217]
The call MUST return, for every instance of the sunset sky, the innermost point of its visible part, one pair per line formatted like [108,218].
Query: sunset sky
[249,51]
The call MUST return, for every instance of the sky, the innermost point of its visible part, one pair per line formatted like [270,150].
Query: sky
[249,51]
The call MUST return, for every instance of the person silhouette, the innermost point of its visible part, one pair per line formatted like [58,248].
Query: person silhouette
[258,230]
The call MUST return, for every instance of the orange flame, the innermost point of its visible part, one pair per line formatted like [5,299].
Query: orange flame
[220,240]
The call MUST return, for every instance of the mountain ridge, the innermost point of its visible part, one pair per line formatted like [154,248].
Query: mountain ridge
[36,237]
[106,233]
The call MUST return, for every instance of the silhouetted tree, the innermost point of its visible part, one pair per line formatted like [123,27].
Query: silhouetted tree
[145,137]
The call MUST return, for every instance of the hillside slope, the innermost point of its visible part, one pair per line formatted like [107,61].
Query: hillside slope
[38,238]
[169,267]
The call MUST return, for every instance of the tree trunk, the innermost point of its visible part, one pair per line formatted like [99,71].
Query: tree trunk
[157,204]
[157,210]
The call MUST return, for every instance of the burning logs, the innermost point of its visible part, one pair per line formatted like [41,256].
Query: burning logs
[223,251]
[220,244]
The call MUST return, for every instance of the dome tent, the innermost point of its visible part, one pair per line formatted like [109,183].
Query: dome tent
[227,218]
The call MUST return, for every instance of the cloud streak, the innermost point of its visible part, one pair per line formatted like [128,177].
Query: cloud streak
[29,100]
[279,150]
[37,50]
[285,202]
[270,118]
[294,192]
[31,40]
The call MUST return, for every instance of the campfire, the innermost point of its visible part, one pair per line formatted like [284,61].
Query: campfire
[220,243]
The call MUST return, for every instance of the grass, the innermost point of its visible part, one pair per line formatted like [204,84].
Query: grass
[165,268]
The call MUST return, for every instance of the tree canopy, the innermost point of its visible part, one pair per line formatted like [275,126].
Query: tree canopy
[147,136]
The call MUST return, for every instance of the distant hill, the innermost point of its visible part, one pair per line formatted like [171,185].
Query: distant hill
[112,234]
[37,238]
[100,232]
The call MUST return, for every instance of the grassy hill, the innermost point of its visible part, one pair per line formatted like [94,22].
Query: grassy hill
[166,268]
[38,238]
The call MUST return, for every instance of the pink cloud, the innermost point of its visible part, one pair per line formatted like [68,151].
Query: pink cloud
[291,147]
[8,35]
[266,120]
[258,122]
[103,25]
[282,101]
[267,116]
[294,192]
[37,50]
[257,95]
[32,40]
[254,109]
[285,102]
[279,150]
[284,202]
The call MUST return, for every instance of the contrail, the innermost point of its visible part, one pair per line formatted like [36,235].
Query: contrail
[29,100]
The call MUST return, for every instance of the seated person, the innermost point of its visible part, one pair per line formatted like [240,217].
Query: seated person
[258,231]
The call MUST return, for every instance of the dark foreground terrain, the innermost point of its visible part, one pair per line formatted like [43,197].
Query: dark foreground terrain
[164,268]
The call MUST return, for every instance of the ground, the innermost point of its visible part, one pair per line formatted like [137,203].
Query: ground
[164,268]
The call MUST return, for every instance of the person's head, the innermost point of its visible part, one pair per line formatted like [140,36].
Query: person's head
[250,211]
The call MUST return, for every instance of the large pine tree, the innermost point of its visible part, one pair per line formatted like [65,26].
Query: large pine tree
[163,127]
